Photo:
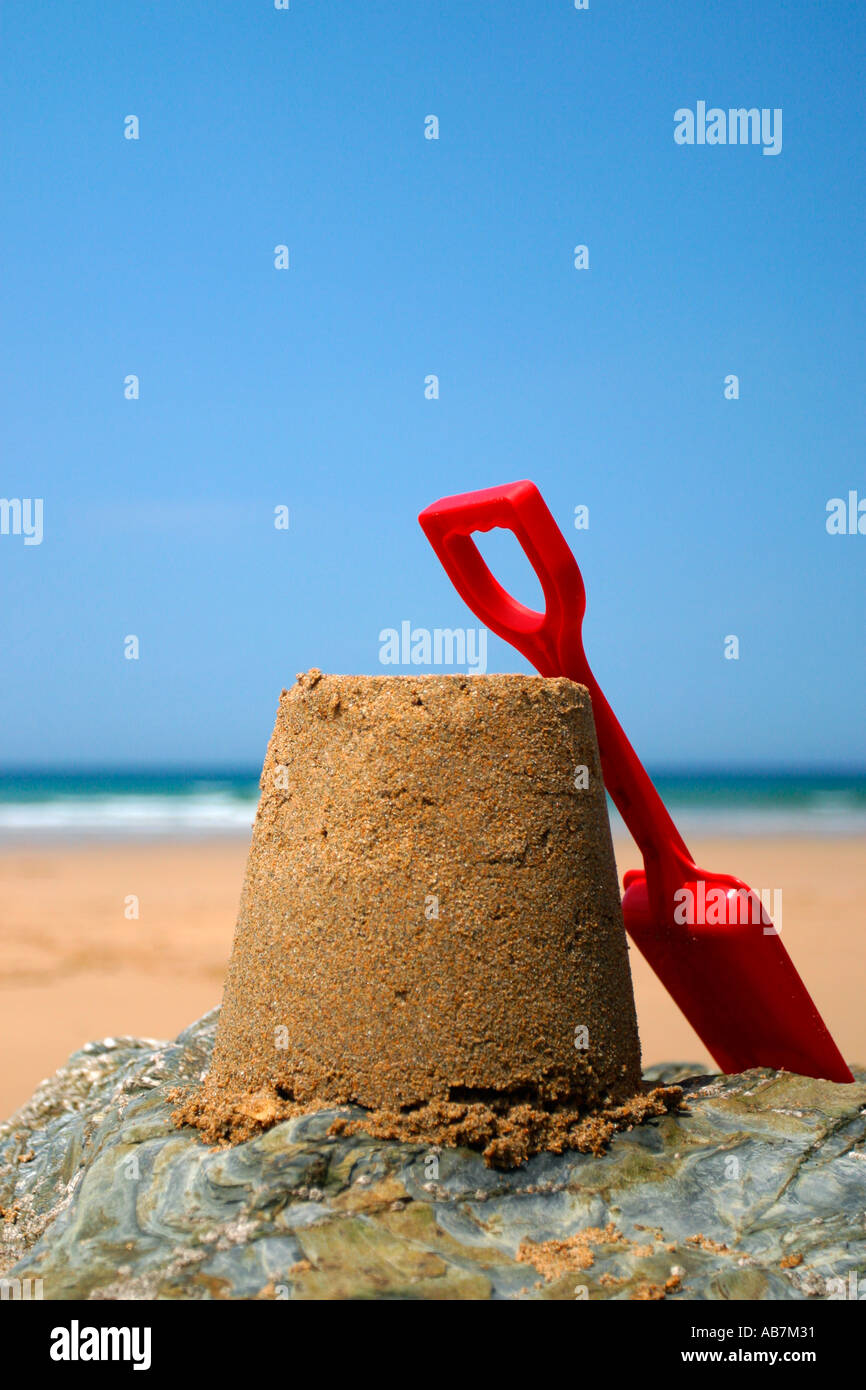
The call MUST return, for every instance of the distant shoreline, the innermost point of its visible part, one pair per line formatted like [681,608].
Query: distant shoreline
[196,804]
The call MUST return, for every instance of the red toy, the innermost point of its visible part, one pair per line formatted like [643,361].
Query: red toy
[732,978]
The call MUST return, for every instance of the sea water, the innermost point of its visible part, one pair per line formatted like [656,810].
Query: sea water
[201,802]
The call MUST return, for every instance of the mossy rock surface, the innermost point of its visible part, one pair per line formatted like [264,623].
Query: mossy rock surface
[757,1191]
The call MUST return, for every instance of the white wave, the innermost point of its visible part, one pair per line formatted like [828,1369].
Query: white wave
[129,816]
[213,812]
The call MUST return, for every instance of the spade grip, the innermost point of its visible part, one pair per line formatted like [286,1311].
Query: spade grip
[551,640]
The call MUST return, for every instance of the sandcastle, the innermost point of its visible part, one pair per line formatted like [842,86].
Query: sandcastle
[430,925]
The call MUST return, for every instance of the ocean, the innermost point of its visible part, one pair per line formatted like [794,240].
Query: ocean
[197,804]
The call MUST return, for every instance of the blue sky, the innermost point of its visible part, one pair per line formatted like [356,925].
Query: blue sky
[409,257]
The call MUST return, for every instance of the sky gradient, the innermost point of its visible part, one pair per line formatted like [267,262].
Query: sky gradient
[409,257]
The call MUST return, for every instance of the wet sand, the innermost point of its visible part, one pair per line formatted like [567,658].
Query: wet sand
[73,966]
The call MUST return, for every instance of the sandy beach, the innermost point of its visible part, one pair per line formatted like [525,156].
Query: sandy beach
[75,964]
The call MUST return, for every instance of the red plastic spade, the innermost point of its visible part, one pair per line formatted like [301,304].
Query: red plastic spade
[706,935]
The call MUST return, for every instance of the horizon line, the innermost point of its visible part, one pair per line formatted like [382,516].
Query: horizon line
[253,771]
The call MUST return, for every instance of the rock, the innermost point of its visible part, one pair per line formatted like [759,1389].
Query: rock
[759,1191]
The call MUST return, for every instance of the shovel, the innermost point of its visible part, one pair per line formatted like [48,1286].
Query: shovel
[706,935]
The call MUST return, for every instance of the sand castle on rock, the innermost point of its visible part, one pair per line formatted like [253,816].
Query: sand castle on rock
[430,924]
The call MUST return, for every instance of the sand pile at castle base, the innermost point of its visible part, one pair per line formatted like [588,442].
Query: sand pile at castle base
[506,1134]
[430,925]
